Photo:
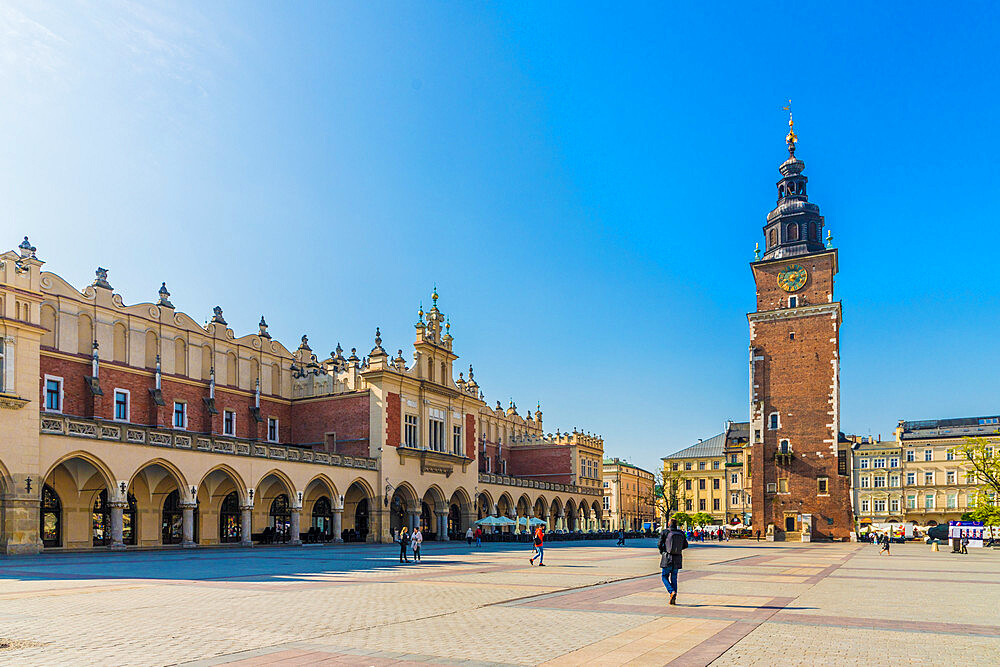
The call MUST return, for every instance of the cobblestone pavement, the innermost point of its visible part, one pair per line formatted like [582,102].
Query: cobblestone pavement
[741,603]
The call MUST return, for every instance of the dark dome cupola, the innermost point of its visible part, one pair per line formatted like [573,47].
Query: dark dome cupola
[795,226]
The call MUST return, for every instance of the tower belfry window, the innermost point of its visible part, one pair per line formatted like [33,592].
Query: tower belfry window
[792,232]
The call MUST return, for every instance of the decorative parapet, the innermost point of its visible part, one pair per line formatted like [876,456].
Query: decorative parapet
[506,480]
[133,434]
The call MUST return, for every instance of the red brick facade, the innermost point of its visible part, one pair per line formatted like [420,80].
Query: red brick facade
[393,420]
[338,424]
[544,463]
[470,436]
[795,361]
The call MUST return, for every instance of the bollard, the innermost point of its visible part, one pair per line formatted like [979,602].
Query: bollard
[934,546]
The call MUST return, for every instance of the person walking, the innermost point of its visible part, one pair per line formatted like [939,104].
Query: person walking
[417,540]
[885,545]
[468,536]
[404,542]
[965,544]
[672,543]
[479,537]
[539,550]
[621,538]
[758,534]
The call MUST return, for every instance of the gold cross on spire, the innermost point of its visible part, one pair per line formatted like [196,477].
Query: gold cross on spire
[790,138]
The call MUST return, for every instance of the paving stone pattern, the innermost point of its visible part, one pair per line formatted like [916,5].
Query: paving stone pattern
[741,603]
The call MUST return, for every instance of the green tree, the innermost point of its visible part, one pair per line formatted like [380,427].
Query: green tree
[983,458]
[683,518]
[702,519]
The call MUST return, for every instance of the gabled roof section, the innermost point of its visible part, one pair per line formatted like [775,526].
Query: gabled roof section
[712,447]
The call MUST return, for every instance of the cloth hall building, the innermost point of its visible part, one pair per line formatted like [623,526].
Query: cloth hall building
[133,425]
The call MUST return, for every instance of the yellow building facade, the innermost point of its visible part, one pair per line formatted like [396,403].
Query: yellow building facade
[628,496]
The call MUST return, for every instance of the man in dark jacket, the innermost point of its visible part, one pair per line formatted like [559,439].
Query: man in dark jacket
[672,543]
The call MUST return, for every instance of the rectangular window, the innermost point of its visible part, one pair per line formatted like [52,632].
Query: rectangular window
[228,422]
[715,483]
[673,466]
[701,505]
[878,463]
[866,482]
[121,405]
[732,458]
[773,421]
[771,487]
[687,465]
[952,501]
[715,465]
[822,484]
[3,369]
[793,301]
[894,462]
[53,393]
[489,467]
[863,464]
[928,455]
[456,440]
[701,484]
[864,505]
[272,429]
[180,414]
[911,478]
[715,504]
[951,477]
[911,502]
[928,478]
[879,504]
[878,481]
[894,505]
[949,455]
[929,501]
[734,499]
[734,478]
[607,503]
[687,506]
[435,430]
[687,485]
[894,481]
[605,485]
[701,465]
[911,455]
[783,485]
[410,438]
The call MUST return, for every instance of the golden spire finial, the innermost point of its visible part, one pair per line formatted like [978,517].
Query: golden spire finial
[790,138]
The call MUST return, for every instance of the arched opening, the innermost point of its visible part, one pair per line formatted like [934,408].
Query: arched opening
[772,239]
[232,379]
[152,349]
[151,485]
[180,357]
[280,517]
[322,518]
[101,520]
[585,523]
[76,483]
[119,347]
[229,519]
[460,514]
[207,362]
[50,523]
[792,232]
[356,516]
[571,516]
[455,529]
[172,519]
[427,521]
[812,231]
[84,334]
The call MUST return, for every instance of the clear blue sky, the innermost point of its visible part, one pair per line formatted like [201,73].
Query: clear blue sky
[585,184]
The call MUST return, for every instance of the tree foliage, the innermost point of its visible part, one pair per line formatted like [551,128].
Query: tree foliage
[683,518]
[702,518]
[668,492]
[983,459]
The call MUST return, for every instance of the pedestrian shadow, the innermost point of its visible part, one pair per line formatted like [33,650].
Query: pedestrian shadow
[748,606]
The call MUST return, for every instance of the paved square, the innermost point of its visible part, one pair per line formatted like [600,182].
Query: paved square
[741,603]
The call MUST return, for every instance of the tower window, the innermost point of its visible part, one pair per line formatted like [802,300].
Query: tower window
[784,447]
[773,239]
[793,301]
[792,232]
[812,231]
[791,335]
[772,421]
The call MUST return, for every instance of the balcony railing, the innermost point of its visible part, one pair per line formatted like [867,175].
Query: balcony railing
[135,434]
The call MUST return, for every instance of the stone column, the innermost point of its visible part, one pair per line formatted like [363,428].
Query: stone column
[117,525]
[338,516]
[187,526]
[442,530]
[295,539]
[246,526]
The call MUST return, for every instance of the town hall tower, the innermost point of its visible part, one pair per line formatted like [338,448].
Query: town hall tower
[799,483]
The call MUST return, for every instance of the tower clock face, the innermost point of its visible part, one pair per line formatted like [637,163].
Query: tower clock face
[793,278]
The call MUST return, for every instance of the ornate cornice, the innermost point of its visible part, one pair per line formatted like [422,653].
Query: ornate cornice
[11,402]
[796,313]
